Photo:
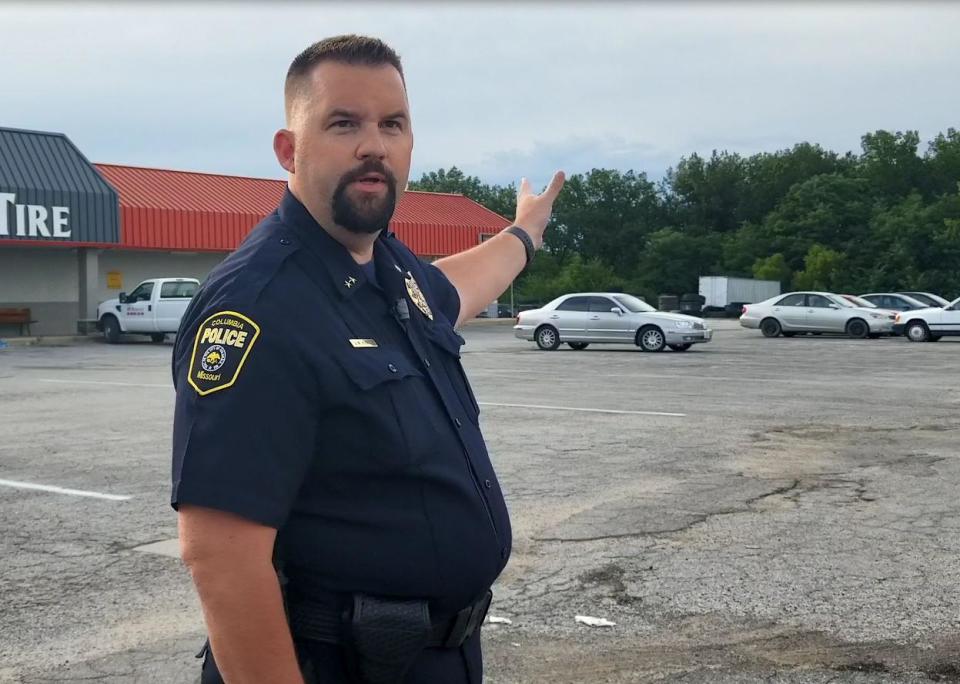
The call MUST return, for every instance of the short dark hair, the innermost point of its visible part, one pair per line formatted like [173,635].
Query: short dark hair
[346,49]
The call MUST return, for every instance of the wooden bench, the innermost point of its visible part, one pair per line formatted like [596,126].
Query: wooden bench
[19,317]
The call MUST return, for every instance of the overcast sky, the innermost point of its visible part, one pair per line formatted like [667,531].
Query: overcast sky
[500,90]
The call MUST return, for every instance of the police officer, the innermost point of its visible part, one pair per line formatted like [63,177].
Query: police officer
[338,511]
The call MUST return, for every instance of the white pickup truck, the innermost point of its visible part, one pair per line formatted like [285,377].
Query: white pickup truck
[154,308]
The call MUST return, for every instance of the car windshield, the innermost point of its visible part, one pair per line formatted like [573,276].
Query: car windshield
[632,304]
[858,301]
[927,299]
[841,301]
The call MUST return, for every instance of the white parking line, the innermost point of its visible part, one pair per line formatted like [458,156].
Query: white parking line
[482,403]
[673,376]
[167,547]
[585,410]
[101,382]
[63,490]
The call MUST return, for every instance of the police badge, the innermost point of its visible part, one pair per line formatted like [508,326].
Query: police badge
[416,295]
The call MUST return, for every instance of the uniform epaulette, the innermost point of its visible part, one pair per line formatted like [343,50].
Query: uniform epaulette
[244,275]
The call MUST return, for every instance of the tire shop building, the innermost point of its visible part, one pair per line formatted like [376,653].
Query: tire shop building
[73,234]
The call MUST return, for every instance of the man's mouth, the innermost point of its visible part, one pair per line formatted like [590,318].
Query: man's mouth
[371,180]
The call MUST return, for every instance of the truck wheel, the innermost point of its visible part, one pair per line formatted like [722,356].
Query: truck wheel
[917,331]
[858,329]
[157,338]
[547,338]
[111,329]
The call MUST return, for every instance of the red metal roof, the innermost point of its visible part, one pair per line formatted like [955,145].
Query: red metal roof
[192,211]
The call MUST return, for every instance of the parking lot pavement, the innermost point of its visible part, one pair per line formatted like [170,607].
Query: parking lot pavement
[751,510]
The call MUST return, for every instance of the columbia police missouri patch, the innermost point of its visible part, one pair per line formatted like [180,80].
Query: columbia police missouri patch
[223,343]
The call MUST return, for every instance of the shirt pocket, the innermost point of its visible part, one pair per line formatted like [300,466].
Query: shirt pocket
[448,343]
[383,408]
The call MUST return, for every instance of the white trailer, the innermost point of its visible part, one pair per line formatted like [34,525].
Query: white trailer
[719,291]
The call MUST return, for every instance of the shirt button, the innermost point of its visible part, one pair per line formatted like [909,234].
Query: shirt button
[487,483]
[457,422]
[284,241]
[426,362]
[391,368]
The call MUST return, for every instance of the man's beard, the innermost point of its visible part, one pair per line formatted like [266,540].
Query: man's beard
[369,214]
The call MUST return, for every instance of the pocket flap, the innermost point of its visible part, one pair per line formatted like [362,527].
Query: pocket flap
[371,367]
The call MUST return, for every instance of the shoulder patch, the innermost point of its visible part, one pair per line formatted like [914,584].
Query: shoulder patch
[224,341]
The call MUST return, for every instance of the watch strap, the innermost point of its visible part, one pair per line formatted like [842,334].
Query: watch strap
[526,240]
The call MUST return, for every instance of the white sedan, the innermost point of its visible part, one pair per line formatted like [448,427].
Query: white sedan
[583,318]
[929,325]
[817,313]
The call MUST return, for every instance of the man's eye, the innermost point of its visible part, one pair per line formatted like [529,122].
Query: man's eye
[342,123]
[392,124]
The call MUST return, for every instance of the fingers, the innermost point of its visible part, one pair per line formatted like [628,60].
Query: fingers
[524,187]
[556,183]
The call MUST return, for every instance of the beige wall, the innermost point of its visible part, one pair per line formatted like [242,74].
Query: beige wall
[43,280]
[135,267]
[36,274]
[52,282]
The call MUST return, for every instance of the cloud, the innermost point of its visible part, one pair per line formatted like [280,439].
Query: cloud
[498,89]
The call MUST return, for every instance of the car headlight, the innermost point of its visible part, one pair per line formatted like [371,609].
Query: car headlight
[686,325]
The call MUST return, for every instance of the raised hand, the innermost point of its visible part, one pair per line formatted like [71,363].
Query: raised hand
[533,211]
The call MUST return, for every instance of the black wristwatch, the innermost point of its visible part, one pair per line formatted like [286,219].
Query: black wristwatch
[526,240]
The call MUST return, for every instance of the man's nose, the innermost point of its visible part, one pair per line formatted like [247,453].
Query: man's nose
[371,143]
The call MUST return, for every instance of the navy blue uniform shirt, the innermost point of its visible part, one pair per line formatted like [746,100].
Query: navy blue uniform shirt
[336,410]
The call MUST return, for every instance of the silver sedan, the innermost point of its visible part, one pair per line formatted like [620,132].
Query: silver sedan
[816,313]
[583,318]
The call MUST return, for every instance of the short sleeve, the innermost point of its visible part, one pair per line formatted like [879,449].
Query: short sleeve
[245,423]
[445,294]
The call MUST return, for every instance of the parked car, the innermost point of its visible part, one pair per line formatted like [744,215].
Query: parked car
[894,301]
[929,325]
[154,308]
[928,298]
[815,312]
[583,318]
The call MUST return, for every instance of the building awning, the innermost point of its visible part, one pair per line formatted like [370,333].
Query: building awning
[51,194]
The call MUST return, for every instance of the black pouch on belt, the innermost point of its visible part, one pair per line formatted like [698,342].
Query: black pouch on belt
[387,636]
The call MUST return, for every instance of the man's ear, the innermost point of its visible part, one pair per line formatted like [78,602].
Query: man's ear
[284,147]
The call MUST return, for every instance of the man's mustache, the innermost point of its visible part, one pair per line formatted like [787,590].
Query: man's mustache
[368,167]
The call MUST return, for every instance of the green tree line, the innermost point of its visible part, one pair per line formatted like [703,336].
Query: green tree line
[887,218]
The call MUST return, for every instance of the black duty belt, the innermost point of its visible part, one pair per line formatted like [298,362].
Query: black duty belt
[318,622]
